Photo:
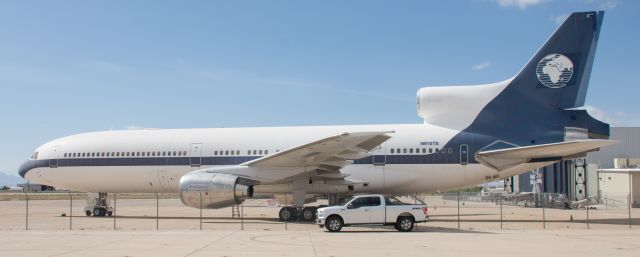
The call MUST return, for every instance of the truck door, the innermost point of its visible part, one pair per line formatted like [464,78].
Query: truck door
[377,210]
[359,210]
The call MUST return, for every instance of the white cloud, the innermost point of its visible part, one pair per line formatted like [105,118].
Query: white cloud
[609,4]
[481,66]
[616,119]
[522,4]
[133,127]
[559,18]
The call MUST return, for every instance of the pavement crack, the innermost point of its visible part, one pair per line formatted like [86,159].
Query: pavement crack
[209,244]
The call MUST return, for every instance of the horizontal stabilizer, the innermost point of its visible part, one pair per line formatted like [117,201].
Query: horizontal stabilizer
[505,158]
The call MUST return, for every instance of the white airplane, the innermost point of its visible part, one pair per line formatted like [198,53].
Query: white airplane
[470,135]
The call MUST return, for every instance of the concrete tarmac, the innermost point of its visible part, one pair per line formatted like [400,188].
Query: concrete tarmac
[315,242]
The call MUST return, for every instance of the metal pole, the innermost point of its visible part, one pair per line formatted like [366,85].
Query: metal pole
[26,223]
[285,206]
[200,210]
[587,205]
[70,211]
[242,213]
[629,207]
[157,212]
[500,212]
[458,210]
[544,215]
[115,209]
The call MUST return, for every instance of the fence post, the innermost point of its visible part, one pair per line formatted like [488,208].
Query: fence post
[500,212]
[285,206]
[629,207]
[115,209]
[242,213]
[200,210]
[26,216]
[544,214]
[157,212]
[70,211]
[458,209]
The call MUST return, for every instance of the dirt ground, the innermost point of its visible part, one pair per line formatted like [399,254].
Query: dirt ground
[60,228]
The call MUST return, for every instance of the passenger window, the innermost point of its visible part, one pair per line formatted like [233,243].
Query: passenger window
[410,150]
[255,152]
[266,151]
[392,150]
[164,153]
[174,153]
[424,150]
[65,155]
[404,150]
[226,152]
[184,153]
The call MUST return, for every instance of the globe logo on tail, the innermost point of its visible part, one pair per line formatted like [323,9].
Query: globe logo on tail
[554,70]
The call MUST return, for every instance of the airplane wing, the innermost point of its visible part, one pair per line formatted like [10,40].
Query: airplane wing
[506,158]
[331,153]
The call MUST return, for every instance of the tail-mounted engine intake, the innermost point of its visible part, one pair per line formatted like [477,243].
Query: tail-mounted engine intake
[212,190]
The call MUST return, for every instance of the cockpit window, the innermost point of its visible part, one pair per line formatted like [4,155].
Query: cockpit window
[34,156]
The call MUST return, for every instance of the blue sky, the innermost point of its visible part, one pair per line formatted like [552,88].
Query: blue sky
[68,67]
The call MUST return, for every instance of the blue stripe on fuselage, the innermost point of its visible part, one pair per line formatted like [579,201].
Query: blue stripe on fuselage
[435,158]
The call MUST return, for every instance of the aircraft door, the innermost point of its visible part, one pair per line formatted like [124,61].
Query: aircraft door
[196,155]
[464,154]
[53,159]
[379,155]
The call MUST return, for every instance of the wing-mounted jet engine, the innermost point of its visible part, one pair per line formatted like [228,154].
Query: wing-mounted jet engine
[206,190]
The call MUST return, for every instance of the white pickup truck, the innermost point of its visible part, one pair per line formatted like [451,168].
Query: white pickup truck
[372,209]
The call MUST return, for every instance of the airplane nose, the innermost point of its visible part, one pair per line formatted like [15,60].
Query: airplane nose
[25,167]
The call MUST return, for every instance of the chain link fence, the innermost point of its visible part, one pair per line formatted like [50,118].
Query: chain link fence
[463,210]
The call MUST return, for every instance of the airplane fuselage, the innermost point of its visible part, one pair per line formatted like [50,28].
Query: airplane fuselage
[415,159]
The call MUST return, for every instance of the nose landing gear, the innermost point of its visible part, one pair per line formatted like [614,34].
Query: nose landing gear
[98,204]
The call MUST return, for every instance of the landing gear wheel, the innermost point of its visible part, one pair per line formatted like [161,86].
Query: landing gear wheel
[88,213]
[286,214]
[333,224]
[97,212]
[404,224]
[309,214]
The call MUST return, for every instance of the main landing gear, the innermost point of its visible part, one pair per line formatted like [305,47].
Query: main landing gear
[297,214]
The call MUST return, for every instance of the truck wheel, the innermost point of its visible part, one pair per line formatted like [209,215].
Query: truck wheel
[88,213]
[404,224]
[333,224]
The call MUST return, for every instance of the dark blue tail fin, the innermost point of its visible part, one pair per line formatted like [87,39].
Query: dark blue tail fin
[558,74]
[533,107]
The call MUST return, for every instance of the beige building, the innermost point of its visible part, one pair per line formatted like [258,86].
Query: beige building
[616,185]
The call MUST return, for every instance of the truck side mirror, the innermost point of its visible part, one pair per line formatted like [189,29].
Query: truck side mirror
[350,206]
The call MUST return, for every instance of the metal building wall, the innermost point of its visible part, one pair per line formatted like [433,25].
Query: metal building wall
[627,147]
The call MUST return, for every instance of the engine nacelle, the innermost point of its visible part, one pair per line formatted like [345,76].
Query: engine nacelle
[212,190]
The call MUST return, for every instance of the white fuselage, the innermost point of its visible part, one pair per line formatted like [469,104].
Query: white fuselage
[231,146]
